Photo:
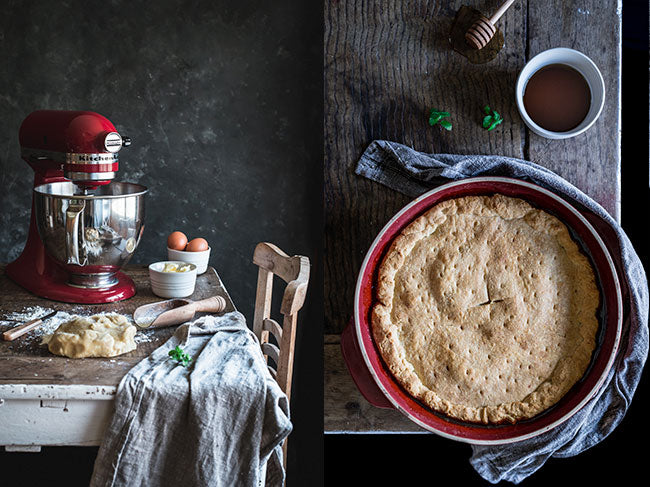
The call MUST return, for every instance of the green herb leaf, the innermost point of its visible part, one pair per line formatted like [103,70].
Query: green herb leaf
[437,117]
[487,121]
[492,118]
[445,124]
[179,355]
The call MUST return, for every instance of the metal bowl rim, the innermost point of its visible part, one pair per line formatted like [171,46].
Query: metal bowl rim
[140,192]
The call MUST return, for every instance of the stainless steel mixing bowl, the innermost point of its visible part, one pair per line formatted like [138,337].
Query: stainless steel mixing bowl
[90,235]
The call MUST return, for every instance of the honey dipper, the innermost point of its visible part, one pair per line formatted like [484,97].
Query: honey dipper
[483,29]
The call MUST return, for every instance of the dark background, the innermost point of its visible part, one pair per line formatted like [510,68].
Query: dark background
[223,103]
[619,459]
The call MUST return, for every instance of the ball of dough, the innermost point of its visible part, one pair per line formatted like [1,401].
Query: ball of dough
[95,336]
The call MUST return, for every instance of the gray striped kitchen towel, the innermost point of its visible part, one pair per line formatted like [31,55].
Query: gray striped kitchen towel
[218,422]
[413,173]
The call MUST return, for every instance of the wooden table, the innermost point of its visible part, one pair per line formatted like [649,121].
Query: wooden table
[50,400]
[387,63]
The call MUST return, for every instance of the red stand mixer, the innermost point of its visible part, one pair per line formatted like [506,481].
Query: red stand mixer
[84,226]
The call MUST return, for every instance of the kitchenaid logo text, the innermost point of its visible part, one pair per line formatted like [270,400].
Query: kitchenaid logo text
[82,158]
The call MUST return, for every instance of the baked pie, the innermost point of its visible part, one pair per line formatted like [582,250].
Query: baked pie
[486,309]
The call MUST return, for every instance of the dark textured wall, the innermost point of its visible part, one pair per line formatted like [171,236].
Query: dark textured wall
[222,101]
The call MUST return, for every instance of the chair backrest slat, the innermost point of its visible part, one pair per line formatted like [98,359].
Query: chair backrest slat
[272,351]
[273,328]
[262,302]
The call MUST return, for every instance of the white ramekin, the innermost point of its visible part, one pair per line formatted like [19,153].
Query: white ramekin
[171,284]
[579,62]
[200,259]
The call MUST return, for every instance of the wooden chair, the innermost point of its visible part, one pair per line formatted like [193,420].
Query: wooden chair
[295,272]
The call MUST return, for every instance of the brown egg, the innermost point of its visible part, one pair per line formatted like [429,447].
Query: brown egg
[197,245]
[177,241]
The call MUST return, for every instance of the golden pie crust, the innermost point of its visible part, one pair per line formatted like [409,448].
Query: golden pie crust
[486,309]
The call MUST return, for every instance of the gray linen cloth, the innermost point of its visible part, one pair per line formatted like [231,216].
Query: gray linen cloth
[213,423]
[413,173]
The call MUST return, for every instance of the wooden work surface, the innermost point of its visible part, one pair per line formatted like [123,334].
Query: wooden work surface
[386,65]
[25,361]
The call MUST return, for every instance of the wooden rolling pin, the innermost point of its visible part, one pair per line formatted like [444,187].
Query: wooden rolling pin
[25,327]
[482,31]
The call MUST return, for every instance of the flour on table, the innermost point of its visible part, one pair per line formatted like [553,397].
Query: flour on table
[51,324]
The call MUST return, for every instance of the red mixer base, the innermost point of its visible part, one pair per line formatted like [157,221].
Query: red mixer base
[55,287]
[37,272]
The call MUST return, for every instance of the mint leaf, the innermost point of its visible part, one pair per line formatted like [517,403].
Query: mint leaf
[487,121]
[492,118]
[180,356]
[445,124]
[436,117]
[494,124]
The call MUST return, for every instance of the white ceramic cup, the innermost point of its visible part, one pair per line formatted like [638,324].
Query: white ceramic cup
[200,259]
[579,62]
[171,284]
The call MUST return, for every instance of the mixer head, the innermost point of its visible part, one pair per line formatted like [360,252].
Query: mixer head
[80,146]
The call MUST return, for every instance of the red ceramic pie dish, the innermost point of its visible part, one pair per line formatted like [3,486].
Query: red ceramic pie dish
[373,377]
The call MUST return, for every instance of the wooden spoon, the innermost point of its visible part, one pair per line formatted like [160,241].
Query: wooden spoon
[175,311]
[483,29]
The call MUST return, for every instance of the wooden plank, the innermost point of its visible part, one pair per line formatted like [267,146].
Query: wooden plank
[54,423]
[345,409]
[592,160]
[386,65]
[25,361]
